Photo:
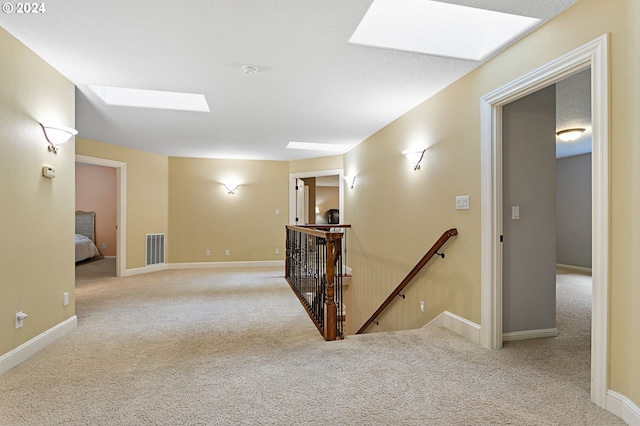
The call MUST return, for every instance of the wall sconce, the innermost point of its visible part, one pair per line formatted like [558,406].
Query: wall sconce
[57,136]
[231,187]
[570,135]
[415,157]
[317,210]
[351,180]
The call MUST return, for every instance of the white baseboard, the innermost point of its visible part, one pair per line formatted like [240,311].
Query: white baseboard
[33,346]
[217,265]
[203,265]
[580,269]
[457,324]
[623,407]
[529,334]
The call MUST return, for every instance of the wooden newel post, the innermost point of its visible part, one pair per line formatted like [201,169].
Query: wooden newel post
[330,310]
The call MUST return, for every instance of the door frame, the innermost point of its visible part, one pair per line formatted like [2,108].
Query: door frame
[595,55]
[121,217]
[319,173]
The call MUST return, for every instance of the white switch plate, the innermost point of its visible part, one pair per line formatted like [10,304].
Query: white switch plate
[515,212]
[277,212]
[208,252]
[226,252]
[462,202]
[65,299]
[421,306]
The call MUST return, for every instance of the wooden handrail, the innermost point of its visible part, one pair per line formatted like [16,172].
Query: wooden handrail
[410,276]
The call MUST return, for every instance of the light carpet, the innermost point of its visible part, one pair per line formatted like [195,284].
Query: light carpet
[233,347]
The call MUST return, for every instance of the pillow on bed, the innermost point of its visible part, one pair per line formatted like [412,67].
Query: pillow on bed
[81,237]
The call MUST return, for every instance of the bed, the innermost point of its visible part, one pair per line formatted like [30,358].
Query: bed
[85,236]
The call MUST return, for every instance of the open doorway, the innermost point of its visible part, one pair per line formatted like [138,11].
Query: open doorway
[323,200]
[118,169]
[593,55]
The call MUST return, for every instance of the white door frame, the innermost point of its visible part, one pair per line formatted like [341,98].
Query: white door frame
[302,175]
[595,55]
[121,217]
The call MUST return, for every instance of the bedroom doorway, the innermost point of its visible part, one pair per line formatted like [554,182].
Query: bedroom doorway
[120,217]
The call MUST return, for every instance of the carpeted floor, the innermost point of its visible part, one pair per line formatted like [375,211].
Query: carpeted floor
[230,347]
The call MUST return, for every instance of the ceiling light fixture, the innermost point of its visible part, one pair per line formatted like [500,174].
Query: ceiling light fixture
[249,69]
[57,135]
[570,135]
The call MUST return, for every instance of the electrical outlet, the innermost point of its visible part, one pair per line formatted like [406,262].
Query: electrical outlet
[422,306]
[277,251]
[104,246]
[226,252]
[208,252]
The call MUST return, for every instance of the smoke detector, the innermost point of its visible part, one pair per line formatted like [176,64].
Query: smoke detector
[249,69]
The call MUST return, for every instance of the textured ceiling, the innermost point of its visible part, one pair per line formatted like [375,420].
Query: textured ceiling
[312,85]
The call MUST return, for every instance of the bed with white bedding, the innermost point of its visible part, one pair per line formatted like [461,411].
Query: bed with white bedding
[85,236]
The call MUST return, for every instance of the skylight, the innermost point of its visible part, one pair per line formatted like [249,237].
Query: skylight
[441,29]
[318,146]
[140,98]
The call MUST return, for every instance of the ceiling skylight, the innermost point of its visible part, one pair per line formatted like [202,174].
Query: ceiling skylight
[139,98]
[318,146]
[441,29]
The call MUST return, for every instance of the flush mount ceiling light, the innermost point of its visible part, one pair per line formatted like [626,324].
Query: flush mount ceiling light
[120,96]
[249,69]
[441,29]
[414,157]
[338,148]
[57,135]
[570,135]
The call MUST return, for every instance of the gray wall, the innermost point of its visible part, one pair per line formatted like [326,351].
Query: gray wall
[573,211]
[529,248]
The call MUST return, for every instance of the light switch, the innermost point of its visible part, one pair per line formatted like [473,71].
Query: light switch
[515,212]
[462,202]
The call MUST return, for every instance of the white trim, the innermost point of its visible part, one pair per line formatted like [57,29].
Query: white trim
[595,55]
[218,265]
[204,265]
[623,407]
[579,269]
[121,207]
[462,326]
[33,346]
[529,334]
[292,189]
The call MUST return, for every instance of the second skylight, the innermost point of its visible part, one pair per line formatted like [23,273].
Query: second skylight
[140,98]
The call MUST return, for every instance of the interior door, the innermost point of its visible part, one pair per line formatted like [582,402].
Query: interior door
[300,202]
[529,213]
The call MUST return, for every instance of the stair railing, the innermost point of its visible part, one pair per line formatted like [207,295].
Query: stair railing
[313,269]
[433,251]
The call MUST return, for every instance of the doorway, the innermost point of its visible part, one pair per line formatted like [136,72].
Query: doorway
[593,55]
[296,199]
[120,243]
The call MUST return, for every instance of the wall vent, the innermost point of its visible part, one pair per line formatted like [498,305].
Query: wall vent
[155,249]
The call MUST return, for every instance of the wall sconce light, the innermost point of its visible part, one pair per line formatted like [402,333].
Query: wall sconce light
[57,136]
[231,187]
[351,180]
[317,210]
[570,135]
[415,157]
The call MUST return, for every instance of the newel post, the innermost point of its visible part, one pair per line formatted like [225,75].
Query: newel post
[330,310]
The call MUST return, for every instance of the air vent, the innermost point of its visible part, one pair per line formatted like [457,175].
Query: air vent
[155,249]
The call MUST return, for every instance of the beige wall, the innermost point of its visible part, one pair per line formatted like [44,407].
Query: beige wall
[203,216]
[36,213]
[147,194]
[96,192]
[414,208]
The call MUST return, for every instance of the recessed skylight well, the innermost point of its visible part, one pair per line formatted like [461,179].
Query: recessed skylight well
[441,29]
[140,98]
